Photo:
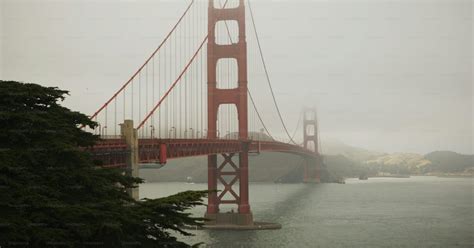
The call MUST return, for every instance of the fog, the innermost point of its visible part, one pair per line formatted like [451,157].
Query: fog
[391,76]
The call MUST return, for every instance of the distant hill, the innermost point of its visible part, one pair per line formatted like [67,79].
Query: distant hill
[449,162]
[375,162]
[342,166]
[399,163]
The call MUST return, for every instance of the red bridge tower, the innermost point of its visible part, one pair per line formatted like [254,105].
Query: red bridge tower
[311,142]
[238,97]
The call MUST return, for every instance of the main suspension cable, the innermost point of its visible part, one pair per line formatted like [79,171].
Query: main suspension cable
[258,115]
[267,74]
[297,126]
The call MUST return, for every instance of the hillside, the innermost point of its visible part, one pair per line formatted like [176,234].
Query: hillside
[399,163]
[342,166]
[449,162]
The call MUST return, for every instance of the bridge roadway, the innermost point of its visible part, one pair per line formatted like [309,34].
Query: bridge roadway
[114,152]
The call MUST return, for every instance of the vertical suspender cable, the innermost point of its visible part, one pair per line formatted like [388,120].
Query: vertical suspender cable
[159,90]
[146,96]
[185,83]
[196,65]
[115,117]
[179,61]
[124,105]
[165,107]
[202,86]
[173,101]
[139,96]
[153,97]
[106,121]
[132,101]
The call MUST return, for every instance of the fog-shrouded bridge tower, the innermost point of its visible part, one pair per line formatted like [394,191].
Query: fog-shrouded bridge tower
[312,166]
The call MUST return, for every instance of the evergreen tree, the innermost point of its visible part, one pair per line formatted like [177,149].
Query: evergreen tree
[51,192]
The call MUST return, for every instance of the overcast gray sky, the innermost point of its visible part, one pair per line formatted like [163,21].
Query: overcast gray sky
[393,76]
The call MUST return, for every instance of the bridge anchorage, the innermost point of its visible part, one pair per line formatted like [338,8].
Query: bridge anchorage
[180,128]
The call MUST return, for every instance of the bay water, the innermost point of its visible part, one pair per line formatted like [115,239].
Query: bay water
[379,212]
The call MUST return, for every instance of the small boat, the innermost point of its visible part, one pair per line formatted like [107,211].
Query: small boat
[189,180]
[363,177]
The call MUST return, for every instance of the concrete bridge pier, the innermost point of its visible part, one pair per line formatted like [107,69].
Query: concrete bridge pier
[129,134]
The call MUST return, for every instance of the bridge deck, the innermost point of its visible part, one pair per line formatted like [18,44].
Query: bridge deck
[113,152]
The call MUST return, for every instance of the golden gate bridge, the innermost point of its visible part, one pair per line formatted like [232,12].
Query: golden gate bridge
[191,98]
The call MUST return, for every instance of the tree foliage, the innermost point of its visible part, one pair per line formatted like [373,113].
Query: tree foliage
[52,194]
